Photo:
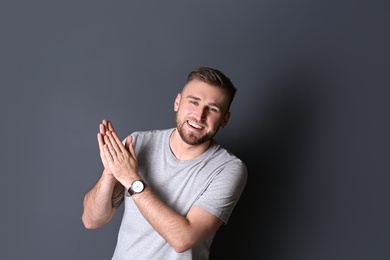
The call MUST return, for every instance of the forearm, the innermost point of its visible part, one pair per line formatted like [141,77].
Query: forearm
[98,202]
[176,229]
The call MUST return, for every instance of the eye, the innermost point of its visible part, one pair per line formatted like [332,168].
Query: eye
[213,109]
[193,102]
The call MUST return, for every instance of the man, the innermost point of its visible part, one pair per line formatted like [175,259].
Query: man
[180,185]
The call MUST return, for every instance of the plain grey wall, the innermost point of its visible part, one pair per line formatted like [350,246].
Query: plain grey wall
[310,118]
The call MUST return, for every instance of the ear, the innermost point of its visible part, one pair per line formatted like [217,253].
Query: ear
[225,120]
[177,102]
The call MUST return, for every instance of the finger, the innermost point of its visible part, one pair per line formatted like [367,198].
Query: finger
[107,125]
[128,141]
[110,126]
[102,128]
[132,151]
[100,141]
[109,143]
[107,153]
[118,142]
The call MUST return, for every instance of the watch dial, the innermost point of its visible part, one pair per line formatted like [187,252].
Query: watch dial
[138,186]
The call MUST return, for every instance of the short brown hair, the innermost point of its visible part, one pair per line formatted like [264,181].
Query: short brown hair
[213,77]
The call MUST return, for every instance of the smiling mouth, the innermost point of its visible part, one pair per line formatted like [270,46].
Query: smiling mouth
[195,125]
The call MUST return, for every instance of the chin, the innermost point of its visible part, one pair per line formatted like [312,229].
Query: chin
[194,139]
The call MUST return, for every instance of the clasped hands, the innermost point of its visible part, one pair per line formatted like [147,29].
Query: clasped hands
[117,159]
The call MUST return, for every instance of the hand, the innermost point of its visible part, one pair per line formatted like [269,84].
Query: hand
[103,128]
[122,162]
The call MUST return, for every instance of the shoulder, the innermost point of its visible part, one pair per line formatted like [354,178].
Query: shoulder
[218,150]
[228,161]
[138,137]
[151,133]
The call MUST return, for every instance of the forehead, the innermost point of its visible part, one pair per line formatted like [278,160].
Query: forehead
[206,92]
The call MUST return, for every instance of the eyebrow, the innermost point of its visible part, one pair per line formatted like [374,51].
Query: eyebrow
[210,104]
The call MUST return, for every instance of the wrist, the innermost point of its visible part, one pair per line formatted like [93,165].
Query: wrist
[136,187]
[107,175]
[127,184]
[129,180]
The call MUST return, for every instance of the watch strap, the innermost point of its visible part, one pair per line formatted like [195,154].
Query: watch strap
[130,192]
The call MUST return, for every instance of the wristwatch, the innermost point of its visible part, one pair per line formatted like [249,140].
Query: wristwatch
[136,187]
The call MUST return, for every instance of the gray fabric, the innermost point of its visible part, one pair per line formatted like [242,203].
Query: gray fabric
[213,181]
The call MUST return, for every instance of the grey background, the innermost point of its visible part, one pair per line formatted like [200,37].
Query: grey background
[310,118]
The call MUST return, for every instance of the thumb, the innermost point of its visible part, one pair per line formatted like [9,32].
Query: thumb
[132,151]
[128,141]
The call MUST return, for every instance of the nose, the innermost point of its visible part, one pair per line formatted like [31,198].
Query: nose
[201,113]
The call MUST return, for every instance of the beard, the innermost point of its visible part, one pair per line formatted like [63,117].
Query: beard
[192,138]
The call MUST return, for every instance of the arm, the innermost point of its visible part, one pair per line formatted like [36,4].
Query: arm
[181,232]
[102,201]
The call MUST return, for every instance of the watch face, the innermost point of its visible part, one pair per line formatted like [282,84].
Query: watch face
[137,186]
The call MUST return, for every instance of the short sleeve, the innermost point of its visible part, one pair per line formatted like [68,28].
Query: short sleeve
[223,192]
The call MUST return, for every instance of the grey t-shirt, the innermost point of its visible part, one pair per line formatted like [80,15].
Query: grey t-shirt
[213,181]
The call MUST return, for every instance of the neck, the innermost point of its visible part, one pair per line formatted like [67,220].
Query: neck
[184,151]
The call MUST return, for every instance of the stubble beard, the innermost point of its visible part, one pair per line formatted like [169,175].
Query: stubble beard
[190,137]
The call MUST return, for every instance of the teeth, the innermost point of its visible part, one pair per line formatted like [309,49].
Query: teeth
[195,125]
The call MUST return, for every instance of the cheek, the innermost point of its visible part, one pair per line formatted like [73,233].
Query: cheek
[215,122]
[181,112]
[184,110]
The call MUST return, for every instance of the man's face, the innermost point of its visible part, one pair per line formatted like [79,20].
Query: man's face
[201,109]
